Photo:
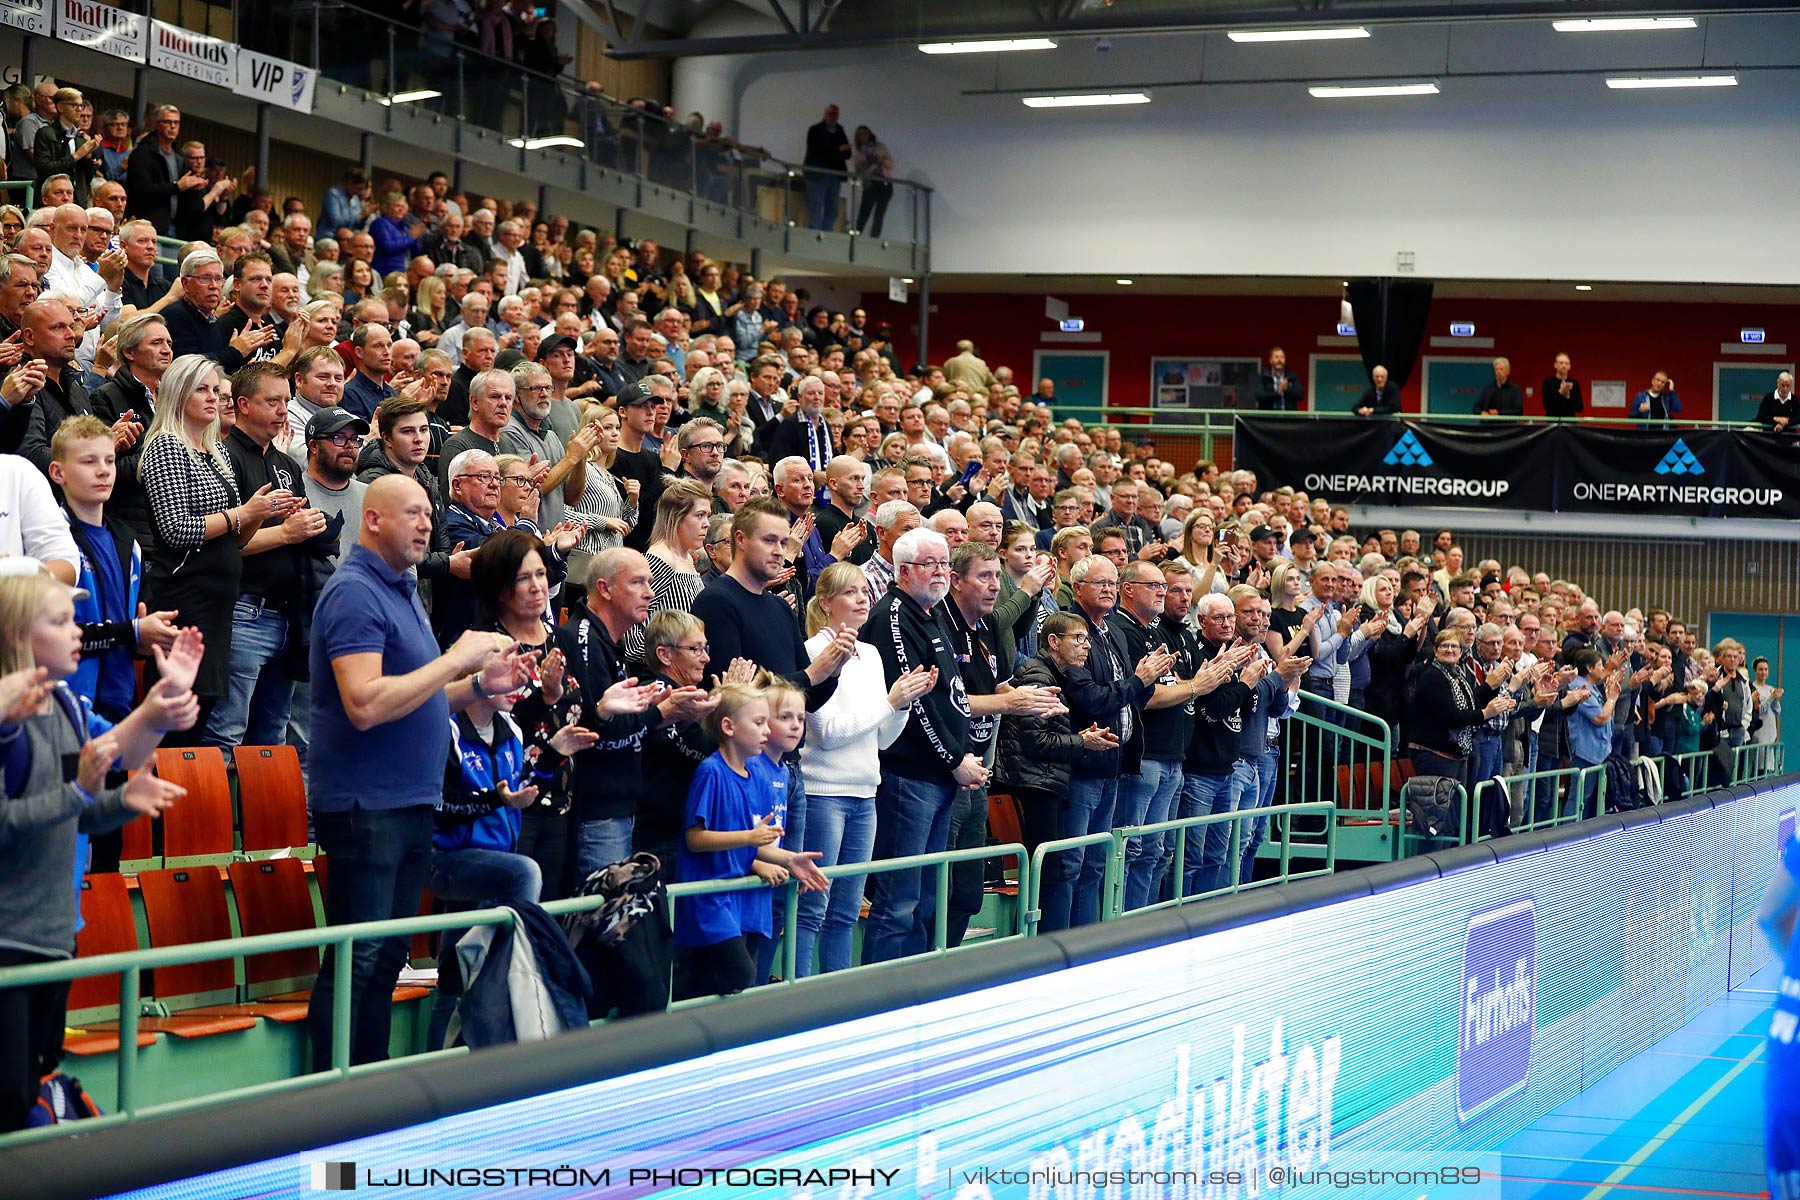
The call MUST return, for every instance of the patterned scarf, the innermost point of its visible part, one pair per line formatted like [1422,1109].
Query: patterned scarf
[1465,701]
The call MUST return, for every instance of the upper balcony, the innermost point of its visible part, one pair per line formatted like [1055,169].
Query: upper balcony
[424,103]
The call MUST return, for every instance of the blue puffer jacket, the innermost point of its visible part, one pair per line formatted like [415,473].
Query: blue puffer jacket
[473,816]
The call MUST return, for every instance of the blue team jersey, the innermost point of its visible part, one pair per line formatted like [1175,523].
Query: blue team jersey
[720,799]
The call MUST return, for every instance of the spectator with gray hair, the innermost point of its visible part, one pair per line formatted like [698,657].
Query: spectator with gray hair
[893,521]
[491,396]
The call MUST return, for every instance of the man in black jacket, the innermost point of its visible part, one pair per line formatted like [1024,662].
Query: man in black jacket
[192,321]
[1501,398]
[52,334]
[145,352]
[609,777]
[1779,411]
[922,769]
[1280,390]
[63,148]
[156,173]
[827,148]
[1109,691]
[1380,398]
[1212,752]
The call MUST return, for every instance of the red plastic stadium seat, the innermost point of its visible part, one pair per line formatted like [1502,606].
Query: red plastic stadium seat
[271,797]
[421,942]
[184,905]
[272,897]
[135,845]
[199,824]
[109,929]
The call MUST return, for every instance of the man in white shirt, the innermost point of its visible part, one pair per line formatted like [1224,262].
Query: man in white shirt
[31,524]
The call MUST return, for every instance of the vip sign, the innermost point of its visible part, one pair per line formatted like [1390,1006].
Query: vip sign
[1499,1003]
[275,81]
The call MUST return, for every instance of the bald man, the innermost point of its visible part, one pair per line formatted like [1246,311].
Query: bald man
[380,683]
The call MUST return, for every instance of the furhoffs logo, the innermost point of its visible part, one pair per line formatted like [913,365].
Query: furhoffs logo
[1680,461]
[1499,1005]
[1407,452]
[334,1177]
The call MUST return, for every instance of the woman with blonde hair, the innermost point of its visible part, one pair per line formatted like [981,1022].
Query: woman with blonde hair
[202,523]
[676,537]
[327,279]
[323,316]
[840,761]
[608,506]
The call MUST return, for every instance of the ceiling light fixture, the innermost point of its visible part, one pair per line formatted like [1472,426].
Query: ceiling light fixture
[1622,24]
[1004,46]
[1584,287]
[1644,82]
[409,97]
[1093,100]
[1123,282]
[1336,33]
[1355,91]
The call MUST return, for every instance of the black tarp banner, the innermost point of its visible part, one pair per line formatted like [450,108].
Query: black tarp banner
[1541,468]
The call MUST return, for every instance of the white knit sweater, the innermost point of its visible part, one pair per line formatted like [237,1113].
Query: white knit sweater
[844,738]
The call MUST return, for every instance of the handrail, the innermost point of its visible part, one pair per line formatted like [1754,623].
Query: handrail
[1182,825]
[30,189]
[1193,420]
[1578,779]
[1769,760]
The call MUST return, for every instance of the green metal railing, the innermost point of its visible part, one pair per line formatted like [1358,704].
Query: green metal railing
[1588,782]
[1235,854]
[1753,761]
[20,185]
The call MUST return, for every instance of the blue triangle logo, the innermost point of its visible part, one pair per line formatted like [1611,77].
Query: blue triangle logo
[1407,452]
[1680,461]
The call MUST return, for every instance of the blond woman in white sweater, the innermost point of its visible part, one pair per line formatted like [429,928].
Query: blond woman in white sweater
[840,761]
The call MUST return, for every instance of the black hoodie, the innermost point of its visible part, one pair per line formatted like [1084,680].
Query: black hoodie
[936,737]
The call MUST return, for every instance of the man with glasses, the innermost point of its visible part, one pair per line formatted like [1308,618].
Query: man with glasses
[265,619]
[472,516]
[558,474]
[1065,511]
[1148,797]
[156,173]
[702,445]
[192,324]
[1109,691]
[922,769]
[491,396]
[603,357]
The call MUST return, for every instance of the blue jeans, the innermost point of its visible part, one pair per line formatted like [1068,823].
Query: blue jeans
[1219,870]
[822,200]
[842,830]
[793,837]
[1202,857]
[1583,792]
[1073,898]
[600,843]
[1145,799]
[1488,759]
[912,816]
[476,878]
[379,860]
[258,692]
[1268,773]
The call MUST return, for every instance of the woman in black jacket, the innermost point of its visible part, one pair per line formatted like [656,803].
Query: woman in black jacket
[1447,704]
[1036,752]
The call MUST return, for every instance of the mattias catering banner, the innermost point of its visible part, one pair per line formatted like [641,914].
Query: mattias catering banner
[1547,468]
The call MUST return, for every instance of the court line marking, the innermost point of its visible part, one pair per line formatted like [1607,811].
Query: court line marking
[1624,1170]
[1638,1187]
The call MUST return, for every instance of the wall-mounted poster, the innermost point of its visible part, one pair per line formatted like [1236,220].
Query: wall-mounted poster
[1179,385]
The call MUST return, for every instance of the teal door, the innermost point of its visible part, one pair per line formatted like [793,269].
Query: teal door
[1338,381]
[1080,377]
[1738,388]
[1775,637]
[1452,385]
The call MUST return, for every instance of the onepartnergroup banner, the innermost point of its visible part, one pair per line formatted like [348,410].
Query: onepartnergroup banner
[146,41]
[1380,1046]
[1648,471]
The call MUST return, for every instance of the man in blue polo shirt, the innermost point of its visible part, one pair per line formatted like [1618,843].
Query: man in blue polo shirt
[382,697]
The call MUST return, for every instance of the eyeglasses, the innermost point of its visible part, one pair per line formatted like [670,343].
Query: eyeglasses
[1155,587]
[343,437]
[522,480]
[482,476]
[702,648]
[1078,639]
[708,447]
[930,564]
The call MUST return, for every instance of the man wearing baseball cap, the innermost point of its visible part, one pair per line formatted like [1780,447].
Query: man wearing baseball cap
[637,413]
[557,354]
[334,438]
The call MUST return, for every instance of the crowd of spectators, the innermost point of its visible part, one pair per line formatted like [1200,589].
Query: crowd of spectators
[545,551]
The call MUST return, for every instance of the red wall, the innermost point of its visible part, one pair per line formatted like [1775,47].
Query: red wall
[1607,340]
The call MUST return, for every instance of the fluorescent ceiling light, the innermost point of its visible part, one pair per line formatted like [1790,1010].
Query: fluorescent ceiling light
[1123,282]
[1005,46]
[1337,33]
[1631,83]
[1584,287]
[545,143]
[1622,24]
[1336,92]
[1093,100]
[410,97]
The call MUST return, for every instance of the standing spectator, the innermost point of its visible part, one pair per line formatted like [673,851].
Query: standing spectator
[1214,774]
[368,387]
[841,762]
[609,777]
[145,352]
[66,147]
[1501,398]
[51,334]
[1276,699]
[380,682]
[1279,390]
[1561,390]
[558,473]
[1779,411]
[875,166]
[635,461]
[490,408]
[1110,691]
[1766,705]
[922,769]
[156,172]
[266,614]
[193,322]
[608,505]
[828,157]
[1590,728]
[682,515]
[202,521]
[1658,402]
[1151,614]
[343,204]
[1446,706]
